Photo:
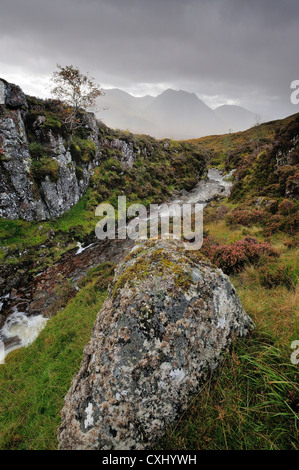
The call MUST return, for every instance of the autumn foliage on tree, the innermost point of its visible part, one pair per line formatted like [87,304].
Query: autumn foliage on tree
[77,91]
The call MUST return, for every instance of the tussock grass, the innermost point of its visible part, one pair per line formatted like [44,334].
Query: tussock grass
[221,232]
[273,310]
[250,403]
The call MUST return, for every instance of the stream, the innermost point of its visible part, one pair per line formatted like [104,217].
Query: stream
[21,309]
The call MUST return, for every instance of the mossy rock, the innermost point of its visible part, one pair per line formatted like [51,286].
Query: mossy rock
[53,124]
[83,151]
[161,259]
[44,167]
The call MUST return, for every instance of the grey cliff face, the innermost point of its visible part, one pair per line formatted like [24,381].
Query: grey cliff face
[20,196]
[16,189]
[169,317]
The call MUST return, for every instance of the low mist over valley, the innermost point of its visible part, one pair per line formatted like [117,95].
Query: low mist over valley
[174,114]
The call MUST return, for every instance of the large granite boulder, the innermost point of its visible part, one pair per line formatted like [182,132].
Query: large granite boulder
[168,318]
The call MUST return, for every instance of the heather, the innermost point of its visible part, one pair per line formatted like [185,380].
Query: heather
[232,258]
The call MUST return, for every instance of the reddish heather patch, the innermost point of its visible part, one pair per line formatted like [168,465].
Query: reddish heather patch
[232,258]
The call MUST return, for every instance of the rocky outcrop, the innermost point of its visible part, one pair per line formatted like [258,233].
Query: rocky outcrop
[126,149]
[16,188]
[24,122]
[11,95]
[21,196]
[169,317]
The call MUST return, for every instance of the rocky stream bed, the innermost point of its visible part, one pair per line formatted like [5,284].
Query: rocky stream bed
[24,310]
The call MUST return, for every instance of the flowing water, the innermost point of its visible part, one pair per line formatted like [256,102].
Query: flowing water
[204,192]
[21,329]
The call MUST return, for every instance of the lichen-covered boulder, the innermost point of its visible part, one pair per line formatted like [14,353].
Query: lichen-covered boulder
[169,316]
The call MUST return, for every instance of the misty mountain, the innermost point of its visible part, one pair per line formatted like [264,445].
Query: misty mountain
[173,114]
[237,118]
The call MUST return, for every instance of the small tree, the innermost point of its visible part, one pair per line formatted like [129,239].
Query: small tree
[77,91]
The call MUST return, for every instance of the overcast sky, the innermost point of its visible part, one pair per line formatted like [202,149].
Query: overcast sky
[227,51]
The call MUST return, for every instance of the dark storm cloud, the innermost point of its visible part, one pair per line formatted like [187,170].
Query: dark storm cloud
[238,49]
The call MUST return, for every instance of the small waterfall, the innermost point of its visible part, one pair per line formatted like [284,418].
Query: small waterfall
[22,327]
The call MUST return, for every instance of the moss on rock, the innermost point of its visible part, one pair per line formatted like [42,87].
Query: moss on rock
[167,320]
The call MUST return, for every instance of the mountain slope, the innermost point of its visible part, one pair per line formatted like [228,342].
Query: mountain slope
[121,110]
[237,117]
[172,114]
[180,115]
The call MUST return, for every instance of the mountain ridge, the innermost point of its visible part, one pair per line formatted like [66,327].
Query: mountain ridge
[176,114]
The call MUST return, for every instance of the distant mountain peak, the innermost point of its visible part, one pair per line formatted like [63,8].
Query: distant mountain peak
[176,114]
[181,93]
